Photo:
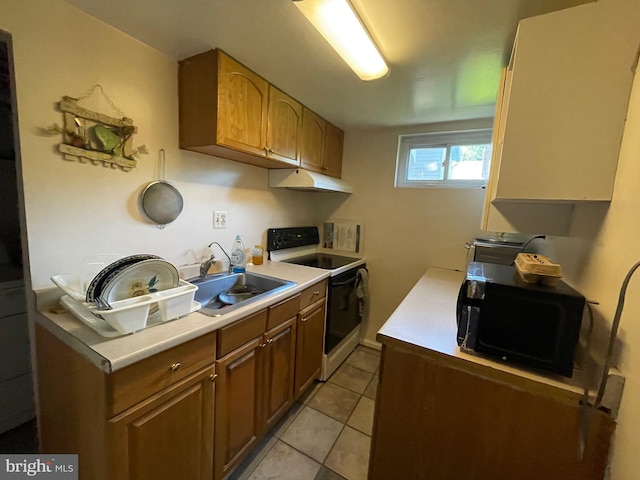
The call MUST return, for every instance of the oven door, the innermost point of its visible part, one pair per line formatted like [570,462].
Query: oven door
[343,309]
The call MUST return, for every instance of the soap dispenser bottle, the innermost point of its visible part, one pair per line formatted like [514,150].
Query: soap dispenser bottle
[238,257]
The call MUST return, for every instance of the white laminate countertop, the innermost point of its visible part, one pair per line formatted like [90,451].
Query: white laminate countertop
[425,323]
[113,353]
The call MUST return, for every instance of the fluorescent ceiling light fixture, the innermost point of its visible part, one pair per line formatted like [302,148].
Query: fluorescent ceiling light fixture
[341,27]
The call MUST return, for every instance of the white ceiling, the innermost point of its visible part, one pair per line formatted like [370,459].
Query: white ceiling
[444,55]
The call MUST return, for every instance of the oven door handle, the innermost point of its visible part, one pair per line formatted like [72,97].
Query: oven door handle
[346,282]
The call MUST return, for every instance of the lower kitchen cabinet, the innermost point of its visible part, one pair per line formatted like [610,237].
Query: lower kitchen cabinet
[436,421]
[193,411]
[278,372]
[169,435]
[309,345]
[255,383]
[236,422]
[152,419]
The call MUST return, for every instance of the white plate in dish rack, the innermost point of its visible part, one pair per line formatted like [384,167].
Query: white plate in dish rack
[97,283]
[141,278]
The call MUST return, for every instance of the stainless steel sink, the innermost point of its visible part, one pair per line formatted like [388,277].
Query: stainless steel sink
[223,293]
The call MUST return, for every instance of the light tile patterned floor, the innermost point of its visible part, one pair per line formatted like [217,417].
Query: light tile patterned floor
[327,434]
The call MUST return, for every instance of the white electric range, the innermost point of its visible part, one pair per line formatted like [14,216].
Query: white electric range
[300,245]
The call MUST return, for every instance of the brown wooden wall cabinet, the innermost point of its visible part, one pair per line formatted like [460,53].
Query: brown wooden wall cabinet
[322,145]
[333,147]
[227,110]
[433,421]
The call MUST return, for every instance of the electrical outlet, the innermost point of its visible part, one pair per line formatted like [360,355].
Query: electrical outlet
[220,219]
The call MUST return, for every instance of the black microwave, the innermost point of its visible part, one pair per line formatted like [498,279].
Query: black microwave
[534,325]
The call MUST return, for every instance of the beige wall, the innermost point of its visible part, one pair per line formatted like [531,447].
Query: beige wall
[406,229]
[74,210]
[604,244]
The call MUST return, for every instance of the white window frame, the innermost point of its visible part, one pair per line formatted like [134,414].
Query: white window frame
[439,139]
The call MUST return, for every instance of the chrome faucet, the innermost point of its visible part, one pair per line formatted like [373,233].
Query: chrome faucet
[206,265]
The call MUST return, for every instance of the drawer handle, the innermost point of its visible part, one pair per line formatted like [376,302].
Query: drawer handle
[213,377]
[317,292]
[262,345]
[304,319]
[270,340]
[175,366]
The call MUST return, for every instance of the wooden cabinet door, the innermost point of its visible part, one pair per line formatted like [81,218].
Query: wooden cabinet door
[169,435]
[237,415]
[309,346]
[284,124]
[278,361]
[333,146]
[437,421]
[312,147]
[242,107]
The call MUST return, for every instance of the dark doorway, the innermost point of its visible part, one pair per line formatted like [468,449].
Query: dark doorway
[16,380]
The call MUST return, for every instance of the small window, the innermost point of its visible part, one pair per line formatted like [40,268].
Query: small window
[450,159]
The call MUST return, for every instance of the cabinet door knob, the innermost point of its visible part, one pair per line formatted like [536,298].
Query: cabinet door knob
[270,340]
[213,377]
[304,319]
[175,366]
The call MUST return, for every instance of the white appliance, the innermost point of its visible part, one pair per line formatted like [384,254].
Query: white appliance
[344,313]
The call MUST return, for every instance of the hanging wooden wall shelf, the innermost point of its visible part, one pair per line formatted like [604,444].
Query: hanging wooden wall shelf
[94,137]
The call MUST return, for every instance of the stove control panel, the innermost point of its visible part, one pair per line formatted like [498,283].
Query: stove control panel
[281,238]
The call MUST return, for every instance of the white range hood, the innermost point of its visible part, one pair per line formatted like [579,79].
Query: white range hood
[299,179]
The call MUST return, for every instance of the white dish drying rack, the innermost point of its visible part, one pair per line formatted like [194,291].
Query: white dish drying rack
[129,315]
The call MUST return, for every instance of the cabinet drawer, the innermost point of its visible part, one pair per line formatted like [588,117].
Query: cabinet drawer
[12,301]
[140,380]
[283,311]
[313,294]
[240,332]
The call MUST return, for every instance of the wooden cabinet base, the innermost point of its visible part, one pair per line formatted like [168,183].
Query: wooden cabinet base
[255,383]
[436,422]
[236,422]
[163,426]
[168,436]
[309,346]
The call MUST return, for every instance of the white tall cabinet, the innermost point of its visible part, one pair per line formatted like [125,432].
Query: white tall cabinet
[560,115]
